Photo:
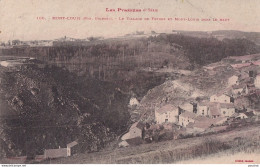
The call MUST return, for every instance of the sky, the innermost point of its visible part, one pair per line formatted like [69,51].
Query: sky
[18,18]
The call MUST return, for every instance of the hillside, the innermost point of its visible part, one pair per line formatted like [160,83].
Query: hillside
[47,107]
[197,86]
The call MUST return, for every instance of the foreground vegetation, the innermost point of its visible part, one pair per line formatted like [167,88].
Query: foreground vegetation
[241,139]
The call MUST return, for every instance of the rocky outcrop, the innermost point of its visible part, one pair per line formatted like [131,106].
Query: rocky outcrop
[53,107]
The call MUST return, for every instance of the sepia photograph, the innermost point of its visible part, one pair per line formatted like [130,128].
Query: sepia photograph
[129,82]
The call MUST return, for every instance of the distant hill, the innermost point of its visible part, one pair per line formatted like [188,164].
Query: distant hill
[229,34]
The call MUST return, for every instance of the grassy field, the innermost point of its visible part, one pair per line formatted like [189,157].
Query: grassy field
[238,142]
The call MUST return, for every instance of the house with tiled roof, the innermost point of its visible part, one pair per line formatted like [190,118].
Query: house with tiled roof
[240,115]
[221,98]
[214,110]
[239,89]
[227,109]
[249,114]
[233,80]
[135,134]
[202,108]
[167,113]
[200,124]
[186,117]
[187,107]
[72,148]
[55,153]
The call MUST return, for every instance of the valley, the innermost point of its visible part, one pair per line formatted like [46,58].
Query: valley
[91,93]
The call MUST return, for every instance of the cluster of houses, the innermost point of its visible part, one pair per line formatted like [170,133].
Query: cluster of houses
[203,116]
[216,111]
[199,116]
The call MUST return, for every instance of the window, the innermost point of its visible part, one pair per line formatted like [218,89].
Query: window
[224,112]
[166,120]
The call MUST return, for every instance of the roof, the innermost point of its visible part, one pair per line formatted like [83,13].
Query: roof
[72,144]
[236,114]
[123,143]
[214,108]
[249,114]
[168,107]
[201,122]
[222,93]
[203,103]
[55,153]
[186,103]
[216,120]
[227,105]
[188,115]
[138,125]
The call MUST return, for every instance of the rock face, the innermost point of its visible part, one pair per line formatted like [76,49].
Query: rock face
[50,107]
[171,92]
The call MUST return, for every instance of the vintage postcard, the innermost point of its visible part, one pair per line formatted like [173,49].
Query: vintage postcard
[130,82]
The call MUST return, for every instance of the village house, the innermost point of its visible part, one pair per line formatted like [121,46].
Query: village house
[227,110]
[239,89]
[202,109]
[254,111]
[167,113]
[214,110]
[72,148]
[249,114]
[186,117]
[133,102]
[187,107]
[135,134]
[233,80]
[257,81]
[240,115]
[200,124]
[55,153]
[123,144]
[221,98]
